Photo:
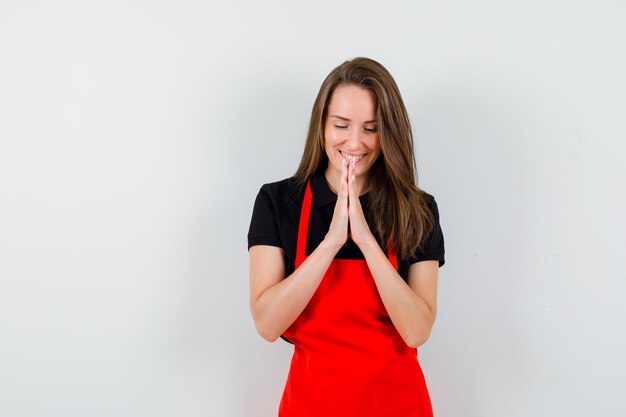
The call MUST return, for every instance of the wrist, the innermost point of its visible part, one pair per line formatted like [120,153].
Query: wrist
[331,244]
[368,244]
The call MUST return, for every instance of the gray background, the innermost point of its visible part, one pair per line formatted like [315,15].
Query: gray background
[136,134]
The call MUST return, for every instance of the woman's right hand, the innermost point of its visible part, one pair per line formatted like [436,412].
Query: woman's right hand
[338,231]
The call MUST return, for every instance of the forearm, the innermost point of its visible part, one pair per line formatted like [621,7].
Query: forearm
[280,305]
[409,313]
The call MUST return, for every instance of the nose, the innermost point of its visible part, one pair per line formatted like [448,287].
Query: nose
[354,138]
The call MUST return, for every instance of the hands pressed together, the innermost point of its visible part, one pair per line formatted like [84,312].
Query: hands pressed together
[348,218]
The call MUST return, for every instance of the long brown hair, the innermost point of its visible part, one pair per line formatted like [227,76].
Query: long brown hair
[398,208]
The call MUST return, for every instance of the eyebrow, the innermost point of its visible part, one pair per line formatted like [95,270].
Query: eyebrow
[348,120]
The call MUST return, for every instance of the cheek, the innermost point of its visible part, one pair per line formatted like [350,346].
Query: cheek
[328,146]
[327,136]
[330,140]
[374,144]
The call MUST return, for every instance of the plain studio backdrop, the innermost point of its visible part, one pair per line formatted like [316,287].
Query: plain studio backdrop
[135,136]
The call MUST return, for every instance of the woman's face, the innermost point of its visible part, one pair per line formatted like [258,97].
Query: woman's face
[351,132]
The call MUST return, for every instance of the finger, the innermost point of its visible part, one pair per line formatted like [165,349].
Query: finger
[343,188]
[352,195]
[351,178]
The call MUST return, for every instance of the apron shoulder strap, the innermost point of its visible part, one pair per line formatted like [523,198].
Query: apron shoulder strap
[303,226]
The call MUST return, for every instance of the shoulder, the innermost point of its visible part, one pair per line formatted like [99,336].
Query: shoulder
[431,203]
[275,207]
[281,192]
[427,196]
[280,197]
[432,247]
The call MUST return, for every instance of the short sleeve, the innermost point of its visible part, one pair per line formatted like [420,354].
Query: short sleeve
[433,248]
[263,225]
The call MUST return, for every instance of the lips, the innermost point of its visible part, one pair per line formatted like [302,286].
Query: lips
[353,158]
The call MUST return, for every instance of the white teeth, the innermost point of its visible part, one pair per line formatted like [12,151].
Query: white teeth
[354,158]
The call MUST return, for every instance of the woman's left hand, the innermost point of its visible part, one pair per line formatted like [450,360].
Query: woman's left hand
[359,229]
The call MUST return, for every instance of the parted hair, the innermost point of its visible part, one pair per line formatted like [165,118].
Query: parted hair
[399,212]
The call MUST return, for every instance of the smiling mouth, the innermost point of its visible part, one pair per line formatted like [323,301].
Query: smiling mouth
[353,158]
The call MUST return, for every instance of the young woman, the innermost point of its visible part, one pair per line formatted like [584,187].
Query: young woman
[344,256]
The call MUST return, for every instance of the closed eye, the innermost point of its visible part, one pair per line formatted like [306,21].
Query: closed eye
[341,126]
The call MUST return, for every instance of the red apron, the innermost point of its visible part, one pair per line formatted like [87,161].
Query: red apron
[349,360]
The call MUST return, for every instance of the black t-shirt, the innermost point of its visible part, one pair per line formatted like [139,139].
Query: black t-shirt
[276,216]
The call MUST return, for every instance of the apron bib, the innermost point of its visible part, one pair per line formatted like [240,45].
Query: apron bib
[349,359]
